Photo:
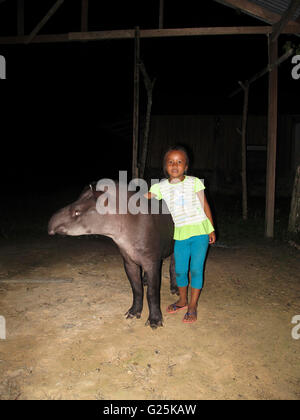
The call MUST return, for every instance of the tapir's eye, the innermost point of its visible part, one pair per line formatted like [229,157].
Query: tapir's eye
[77,213]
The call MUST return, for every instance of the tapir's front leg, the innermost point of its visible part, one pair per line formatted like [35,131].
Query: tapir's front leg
[173,284]
[153,274]
[133,272]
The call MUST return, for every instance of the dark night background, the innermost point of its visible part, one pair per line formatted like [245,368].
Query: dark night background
[60,101]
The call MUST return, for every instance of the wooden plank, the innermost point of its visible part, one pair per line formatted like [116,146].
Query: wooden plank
[150,33]
[43,22]
[84,15]
[20,17]
[272,141]
[288,14]
[136,98]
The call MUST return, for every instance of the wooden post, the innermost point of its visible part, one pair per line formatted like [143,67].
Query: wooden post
[84,15]
[161,14]
[244,149]
[136,100]
[272,140]
[294,219]
[149,88]
[20,17]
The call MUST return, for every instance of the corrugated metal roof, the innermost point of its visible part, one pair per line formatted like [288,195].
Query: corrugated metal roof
[276,6]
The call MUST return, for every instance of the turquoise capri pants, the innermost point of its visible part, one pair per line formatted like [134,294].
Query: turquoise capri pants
[190,254]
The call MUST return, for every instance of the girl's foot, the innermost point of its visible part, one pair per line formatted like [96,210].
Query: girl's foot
[190,316]
[175,307]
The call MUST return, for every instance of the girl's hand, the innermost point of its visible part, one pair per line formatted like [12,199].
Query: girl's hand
[149,195]
[212,237]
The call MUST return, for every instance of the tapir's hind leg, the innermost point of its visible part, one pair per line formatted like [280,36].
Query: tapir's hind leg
[173,284]
[133,272]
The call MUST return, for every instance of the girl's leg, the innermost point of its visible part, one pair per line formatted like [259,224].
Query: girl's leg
[199,246]
[182,257]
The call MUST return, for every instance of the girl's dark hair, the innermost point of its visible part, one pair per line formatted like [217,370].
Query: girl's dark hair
[177,148]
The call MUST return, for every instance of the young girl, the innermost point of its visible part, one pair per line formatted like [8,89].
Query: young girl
[193,231]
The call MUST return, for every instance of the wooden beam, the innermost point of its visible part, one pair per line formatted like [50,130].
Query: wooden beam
[149,33]
[20,17]
[45,19]
[288,14]
[84,15]
[136,100]
[39,39]
[180,32]
[272,141]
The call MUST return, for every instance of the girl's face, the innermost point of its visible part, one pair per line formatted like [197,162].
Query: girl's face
[176,164]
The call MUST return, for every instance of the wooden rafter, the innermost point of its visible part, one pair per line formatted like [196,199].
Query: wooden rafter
[43,22]
[149,33]
[288,14]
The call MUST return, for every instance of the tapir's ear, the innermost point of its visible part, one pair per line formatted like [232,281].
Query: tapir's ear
[96,193]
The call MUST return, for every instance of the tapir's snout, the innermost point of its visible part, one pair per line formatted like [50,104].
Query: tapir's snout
[56,225]
[60,230]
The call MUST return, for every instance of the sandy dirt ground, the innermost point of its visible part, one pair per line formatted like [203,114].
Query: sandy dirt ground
[64,301]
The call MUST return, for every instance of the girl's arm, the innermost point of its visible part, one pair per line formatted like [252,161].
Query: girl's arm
[149,195]
[207,211]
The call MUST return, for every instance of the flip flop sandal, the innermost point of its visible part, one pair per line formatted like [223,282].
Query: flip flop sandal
[186,321]
[175,308]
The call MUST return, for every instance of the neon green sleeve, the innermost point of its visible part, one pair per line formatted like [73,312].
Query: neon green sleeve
[155,190]
[199,186]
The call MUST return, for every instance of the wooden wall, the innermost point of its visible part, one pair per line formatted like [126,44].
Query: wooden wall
[215,146]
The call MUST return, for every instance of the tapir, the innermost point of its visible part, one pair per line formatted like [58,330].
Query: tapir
[144,240]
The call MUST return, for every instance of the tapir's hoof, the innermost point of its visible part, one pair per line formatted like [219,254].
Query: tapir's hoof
[154,324]
[129,314]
